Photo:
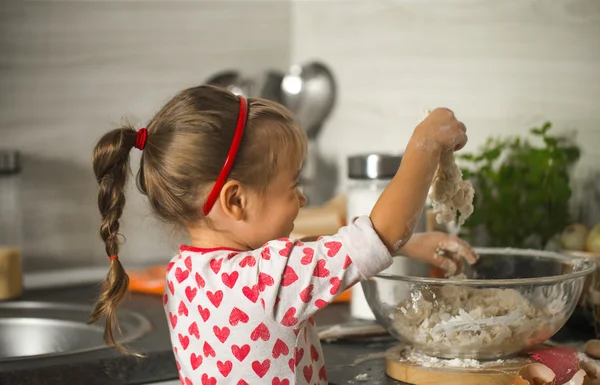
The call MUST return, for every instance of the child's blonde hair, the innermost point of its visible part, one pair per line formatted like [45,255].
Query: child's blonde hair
[187,144]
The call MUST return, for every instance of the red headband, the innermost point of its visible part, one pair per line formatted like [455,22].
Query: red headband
[233,150]
[140,138]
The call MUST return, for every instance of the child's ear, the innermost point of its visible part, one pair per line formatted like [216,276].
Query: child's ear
[234,200]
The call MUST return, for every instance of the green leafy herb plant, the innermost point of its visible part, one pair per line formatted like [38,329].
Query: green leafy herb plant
[522,189]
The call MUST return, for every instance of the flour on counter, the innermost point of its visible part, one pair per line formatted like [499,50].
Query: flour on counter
[416,357]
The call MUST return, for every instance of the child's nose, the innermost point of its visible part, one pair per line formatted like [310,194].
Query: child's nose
[302,199]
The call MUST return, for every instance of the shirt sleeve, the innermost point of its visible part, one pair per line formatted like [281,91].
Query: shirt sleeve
[296,279]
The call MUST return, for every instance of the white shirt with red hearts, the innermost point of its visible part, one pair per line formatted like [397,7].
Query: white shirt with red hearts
[245,317]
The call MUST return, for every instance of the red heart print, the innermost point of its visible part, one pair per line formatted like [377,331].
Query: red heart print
[248,261]
[204,313]
[208,380]
[215,298]
[277,300]
[195,361]
[221,333]
[173,319]
[280,348]
[237,316]
[165,299]
[178,365]
[306,294]
[323,373]
[190,293]
[240,352]
[231,255]
[296,332]
[288,317]
[261,368]
[181,275]
[266,253]
[308,256]
[175,350]
[170,266]
[311,320]
[289,276]
[215,265]
[335,285]
[230,279]
[262,303]
[298,354]
[251,293]
[188,381]
[208,350]
[333,248]
[299,243]
[183,310]
[320,303]
[277,381]
[286,251]
[188,262]
[193,330]
[171,287]
[224,367]
[308,372]
[264,280]
[347,262]
[200,281]
[262,332]
[292,365]
[184,341]
[320,270]
[314,354]
[242,382]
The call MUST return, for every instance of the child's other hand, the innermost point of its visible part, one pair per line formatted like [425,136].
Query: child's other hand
[442,129]
[439,249]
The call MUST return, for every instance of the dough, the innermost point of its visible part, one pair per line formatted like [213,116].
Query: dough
[450,193]
[454,317]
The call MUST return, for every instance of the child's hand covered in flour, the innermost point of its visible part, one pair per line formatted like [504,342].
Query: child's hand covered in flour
[442,130]
[439,249]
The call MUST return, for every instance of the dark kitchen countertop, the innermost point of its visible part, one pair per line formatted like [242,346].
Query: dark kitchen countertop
[344,360]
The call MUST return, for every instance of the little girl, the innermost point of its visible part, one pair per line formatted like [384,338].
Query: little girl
[240,298]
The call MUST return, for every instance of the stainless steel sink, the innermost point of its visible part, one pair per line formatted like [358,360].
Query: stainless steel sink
[36,329]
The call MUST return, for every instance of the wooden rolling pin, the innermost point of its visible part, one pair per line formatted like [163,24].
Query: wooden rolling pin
[11,280]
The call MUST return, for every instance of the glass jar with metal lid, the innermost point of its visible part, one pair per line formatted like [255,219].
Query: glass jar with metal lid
[368,176]
[10,225]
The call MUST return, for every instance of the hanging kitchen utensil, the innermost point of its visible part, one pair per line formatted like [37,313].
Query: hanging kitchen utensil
[232,81]
[268,86]
[309,90]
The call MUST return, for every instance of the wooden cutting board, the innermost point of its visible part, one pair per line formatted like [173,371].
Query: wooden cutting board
[401,367]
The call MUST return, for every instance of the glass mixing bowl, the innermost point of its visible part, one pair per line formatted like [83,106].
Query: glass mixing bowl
[510,300]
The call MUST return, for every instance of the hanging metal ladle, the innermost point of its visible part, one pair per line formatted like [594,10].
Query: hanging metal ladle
[309,90]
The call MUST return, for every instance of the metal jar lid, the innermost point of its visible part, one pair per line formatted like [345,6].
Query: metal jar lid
[373,166]
[10,162]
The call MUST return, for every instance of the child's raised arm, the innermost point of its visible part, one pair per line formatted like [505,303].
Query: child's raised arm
[396,212]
